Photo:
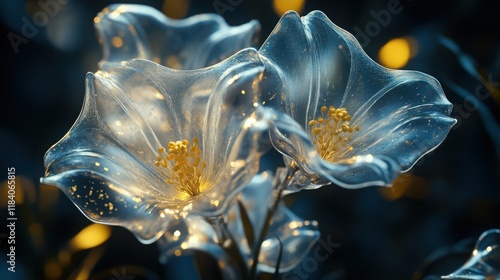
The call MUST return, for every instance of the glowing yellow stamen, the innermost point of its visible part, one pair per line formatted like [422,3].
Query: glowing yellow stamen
[331,131]
[183,167]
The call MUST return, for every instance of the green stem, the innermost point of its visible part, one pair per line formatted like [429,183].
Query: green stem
[283,180]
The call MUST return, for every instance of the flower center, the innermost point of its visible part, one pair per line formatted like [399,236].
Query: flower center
[330,132]
[183,167]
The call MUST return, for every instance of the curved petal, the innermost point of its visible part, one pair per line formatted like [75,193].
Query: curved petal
[104,180]
[133,108]
[155,105]
[485,260]
[294,143]
[194,233]
[402,115]
[145,105]
[297,238]
[256,198]
[136,31]
[296,235]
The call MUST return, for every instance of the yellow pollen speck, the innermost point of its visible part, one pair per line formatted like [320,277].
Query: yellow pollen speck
[182,167]
[331,131]
[173,62]
[117,42]
[97,164]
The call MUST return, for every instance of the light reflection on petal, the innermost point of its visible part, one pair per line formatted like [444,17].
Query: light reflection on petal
[485,260]
[297,236]
[106,162]
[401,115]
[136,31]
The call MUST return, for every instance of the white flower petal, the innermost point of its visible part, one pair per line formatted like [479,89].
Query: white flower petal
[291,140]
[136,31]
[297,236]
[133,108]
[106,182]
[402,115]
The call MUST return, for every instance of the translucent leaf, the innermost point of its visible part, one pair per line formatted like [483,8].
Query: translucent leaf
[485,260]
[297,236]
[195,234]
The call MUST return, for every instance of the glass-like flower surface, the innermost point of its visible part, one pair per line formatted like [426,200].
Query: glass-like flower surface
[287,232]
[154,144]
[137,31]
[485,260]
[352,121]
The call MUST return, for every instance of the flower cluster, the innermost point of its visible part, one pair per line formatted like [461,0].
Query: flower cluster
[173,126]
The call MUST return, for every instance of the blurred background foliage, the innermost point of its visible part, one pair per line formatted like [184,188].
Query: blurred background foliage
[421,228]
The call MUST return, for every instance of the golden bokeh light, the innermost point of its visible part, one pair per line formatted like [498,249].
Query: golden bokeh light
[282,6]
[21,189]
[117,42]
[397,52]
[47,196]
[35,229]
[175,8]
[91,236]
[52,269]
[406,185]
[64,257]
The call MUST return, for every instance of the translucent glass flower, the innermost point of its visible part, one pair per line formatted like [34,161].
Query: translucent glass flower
[352,121]
[485,260]
[154,144]
[136,31]
[296,235]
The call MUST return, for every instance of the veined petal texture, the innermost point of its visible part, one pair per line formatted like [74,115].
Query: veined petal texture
[392,117]
[136,31]
[113,164]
